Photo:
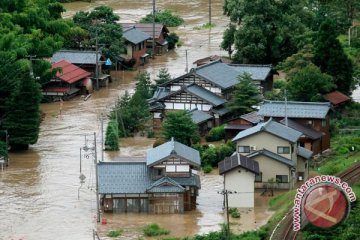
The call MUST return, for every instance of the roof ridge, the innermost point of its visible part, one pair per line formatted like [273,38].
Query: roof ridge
[250,65]
[208,64]
[297,102]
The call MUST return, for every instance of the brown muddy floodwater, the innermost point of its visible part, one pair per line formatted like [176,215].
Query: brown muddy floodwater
[39,190]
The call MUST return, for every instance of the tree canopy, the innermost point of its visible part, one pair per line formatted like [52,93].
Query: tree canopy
[165,17]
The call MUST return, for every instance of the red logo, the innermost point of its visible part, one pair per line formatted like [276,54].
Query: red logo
[325,206]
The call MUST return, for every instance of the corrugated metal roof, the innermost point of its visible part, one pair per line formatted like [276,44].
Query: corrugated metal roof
[123,177]
[336,97]
[307,131]
[76,57]
[147,28]
[274,156]
[160,153]
[273,128]
[135,36]
[198,116]
[257,72]
[69,72]
[305,153]
[165,185]
[205,94]
[238,160]
[252,117]
[294,109]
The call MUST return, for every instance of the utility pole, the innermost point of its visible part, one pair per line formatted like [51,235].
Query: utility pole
[210,12]
[227,214]
[97,56]
[96,179]
[286,117]
[153,41]
[102,137]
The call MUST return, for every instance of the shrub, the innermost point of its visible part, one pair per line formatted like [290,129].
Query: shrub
[173,40]
[154,230]
[112,136]
[114,233]
[207,168]
[216,134]
[165,17]
[234,213]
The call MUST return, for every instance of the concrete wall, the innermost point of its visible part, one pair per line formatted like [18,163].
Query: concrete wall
[240,180]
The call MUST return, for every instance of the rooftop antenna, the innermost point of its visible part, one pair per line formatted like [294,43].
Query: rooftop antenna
[286,117]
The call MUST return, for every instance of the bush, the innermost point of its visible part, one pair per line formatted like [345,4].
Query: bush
[112,136]
[172,40]
[207,169]
[165,17]
[154,230]
[216,134]
[234,213]
[115,233]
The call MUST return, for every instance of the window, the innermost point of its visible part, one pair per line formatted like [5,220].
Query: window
[244,149]
[282,178]
[258,177]
[283,150]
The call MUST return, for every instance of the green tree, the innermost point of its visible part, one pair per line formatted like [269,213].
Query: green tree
[143,85]
[331,59]
[162,77]
[228,39]
[245,97]
[180,126]
[309,84]
[165,17]
[172,40]
[268,31]
[112,136]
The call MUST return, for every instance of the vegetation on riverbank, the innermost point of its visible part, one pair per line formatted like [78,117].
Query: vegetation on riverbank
[166,17]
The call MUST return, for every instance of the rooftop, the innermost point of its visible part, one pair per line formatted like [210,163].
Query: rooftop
[252,117]
[274,156]
[205,94]
[198,116]
[294,109]
[307,131]
[147,28]
[70,73]
[336,97]
[76,56]
[135,36]
[305,153]
[272,127]
[238,160]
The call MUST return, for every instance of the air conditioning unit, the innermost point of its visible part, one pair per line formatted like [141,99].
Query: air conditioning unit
[252,148]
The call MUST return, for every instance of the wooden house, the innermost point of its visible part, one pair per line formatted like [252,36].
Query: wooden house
[239,175]
[336,99]
[312,115]
[275,147]
[70,80]
[162,182]
[237,124]
[135,41]
[161,33]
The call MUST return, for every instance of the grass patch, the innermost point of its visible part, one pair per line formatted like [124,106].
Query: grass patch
[234,213]
[284,200]
[115,233]
[204,26]
[154,230]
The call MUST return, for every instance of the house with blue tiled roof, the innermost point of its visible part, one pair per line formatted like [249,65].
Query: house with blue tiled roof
[312,118]
[275,147]
[162,182]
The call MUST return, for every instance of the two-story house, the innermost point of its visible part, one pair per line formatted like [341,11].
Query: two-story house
[313,116]
[162,182]
[275,147]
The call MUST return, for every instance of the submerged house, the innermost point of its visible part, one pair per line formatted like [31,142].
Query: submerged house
[162,182]
[69,81]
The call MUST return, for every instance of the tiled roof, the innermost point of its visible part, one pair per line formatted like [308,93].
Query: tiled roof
[70,73]
[273,128]
[198,116]
[159,93]
[274,156]
[257,72]
[76,57]
[305,153]
[205,94]
[336,97]
[123,177]
[307,131]
[218,73]
[238,160]
[165,185]
[252,117]
[160,153]
[222,110]
[294,109]
[237,126]
[135,36]
[193,181]
[147,28]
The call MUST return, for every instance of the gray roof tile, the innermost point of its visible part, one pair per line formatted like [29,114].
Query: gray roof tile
[135,36]
[257,72]
[294,109]
[238,160]
[252,117]
[198,116]
[305,153]
[159,153]
[76,57]
[205,94]
[193,181]
[307,131]
[165,185]
[222,110]
[274,156]
[273,128]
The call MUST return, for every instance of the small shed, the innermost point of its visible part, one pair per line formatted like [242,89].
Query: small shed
[239,175]
[336,98]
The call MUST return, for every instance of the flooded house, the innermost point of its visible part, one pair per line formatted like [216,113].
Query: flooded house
[69,81]
[275,147]
[164,181]
[135,44]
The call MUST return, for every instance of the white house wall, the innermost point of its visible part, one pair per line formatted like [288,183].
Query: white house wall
[241,181]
